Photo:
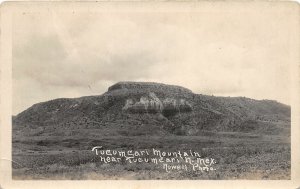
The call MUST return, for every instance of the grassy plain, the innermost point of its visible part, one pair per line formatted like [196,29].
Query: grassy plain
[238,156]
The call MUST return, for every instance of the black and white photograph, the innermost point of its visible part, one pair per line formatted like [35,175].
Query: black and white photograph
[153,91]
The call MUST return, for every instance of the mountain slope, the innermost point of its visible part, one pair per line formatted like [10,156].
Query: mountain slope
[142,108]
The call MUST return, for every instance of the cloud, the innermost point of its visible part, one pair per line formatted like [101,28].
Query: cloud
[76,54]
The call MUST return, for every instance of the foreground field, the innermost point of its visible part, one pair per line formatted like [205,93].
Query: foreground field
[237,155]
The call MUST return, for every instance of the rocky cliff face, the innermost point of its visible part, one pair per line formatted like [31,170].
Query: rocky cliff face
[148,87]
[152,104]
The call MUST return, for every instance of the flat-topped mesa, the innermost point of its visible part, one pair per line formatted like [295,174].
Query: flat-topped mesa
[151,86]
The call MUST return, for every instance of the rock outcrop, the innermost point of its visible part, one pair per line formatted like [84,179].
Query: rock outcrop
[152,104]
[173,106]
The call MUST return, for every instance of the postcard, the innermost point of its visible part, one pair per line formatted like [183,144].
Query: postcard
[150,94]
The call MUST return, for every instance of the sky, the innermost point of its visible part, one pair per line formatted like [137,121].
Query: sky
[224,52]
